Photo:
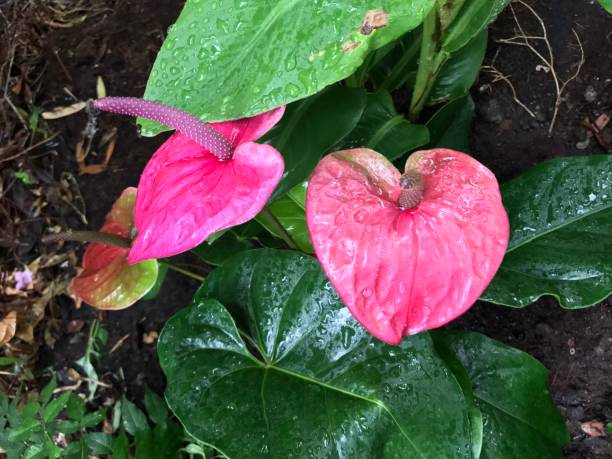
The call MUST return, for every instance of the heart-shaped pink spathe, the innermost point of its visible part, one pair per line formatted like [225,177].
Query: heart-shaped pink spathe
[401,272]
[186,193]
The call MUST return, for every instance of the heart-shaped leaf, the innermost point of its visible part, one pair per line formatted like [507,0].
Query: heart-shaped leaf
[107,281]
[404,271]
[225,60]
[310,128]
[561,234]
[308,381]
[382,129]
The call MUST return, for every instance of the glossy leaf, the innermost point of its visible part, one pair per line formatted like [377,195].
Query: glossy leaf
[460,71]
[607,4]
[474,16]
[310,128]
[450,126]
[290,212]
[509,390]
[403,271]
[317,385]
[268,52]
[382,129]
[561,234]
[107,280]
[159,283]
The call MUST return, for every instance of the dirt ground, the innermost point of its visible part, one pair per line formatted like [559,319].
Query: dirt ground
[120,45]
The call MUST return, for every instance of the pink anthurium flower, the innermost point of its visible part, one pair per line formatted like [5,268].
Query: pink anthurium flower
[406,253]
[107,280]
[204,178]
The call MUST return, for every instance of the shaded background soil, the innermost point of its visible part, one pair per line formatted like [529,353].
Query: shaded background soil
[119,44]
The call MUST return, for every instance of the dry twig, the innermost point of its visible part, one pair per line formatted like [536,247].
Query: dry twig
[547,58]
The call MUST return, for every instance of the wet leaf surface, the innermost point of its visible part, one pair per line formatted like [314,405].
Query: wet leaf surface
[450,126]
[560,240]
[309,381]
[272,52]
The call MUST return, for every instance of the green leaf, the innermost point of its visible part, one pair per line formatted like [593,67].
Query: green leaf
[156,406]
[93,419]
[313,383]
[33,452]
[99,442]
[121,446]
[47,392]
[383,130]
[310,128]
[159,282]
[607,4]
[396,64]
[560,234]
[225,60]
[473,18]
[134,420]
[460,71]
[217,252]
[290,213]
[450,125]
[144,445]
[75,408]
[55,407]
[25,430]
[509,388]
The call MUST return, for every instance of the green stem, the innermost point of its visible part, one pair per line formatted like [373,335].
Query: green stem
[279,228]
[431,60]
[399,73]
[89,236]
[183,271]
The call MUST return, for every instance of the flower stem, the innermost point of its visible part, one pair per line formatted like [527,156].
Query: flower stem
[89,236]
[431,60]
[183,271]
[279,228]
[197,130]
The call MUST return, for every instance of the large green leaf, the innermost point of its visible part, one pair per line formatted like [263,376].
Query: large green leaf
[474,16]
[382,129]
[450,126]
[561,234]
[459,72]
[226,59]
[509,391]
[287,370]
[310,128]
[607,4]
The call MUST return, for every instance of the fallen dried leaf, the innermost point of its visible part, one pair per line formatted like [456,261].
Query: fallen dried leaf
[8,327]
[62,112]
[593,428]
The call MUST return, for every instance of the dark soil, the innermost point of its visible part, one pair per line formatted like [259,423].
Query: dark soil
[576,346]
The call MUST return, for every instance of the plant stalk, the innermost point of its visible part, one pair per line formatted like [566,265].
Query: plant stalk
[89,236]
[431,60]
[183,271]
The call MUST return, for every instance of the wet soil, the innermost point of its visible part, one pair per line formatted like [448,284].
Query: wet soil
[576,346]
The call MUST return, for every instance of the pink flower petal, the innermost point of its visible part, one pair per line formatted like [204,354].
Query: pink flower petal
[403,272]
[185,193]
[249,129]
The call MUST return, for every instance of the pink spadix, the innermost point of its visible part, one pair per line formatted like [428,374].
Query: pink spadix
[406,252]
[198,131]
[206,177]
